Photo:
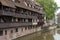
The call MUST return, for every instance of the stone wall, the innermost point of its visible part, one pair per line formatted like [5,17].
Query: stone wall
[21,32]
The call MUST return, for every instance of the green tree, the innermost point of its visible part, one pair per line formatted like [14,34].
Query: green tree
[49,7]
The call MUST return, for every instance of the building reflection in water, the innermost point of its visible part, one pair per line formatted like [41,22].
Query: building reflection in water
[43,35]
[56,35]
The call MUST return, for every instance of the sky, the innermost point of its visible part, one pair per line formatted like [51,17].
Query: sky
[58,4]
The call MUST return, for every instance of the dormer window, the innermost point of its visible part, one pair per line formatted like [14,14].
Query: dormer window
[32,6]
[16,1]
[25,3]
[29,5]
[13,0]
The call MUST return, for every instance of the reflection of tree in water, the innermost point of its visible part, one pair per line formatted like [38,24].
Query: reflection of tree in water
[44,34]
[58,31]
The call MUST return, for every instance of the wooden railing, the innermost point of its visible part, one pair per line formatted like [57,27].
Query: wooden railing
[8,25]
[2,12]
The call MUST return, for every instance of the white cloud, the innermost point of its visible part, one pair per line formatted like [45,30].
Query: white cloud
[58,2]
[58,11]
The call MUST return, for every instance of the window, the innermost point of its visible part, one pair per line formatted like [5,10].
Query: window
[25,3]
[0,7]
[42,15]
[26,13]
[1,20]
[26,20]
[12,10]
[16,1]
[25,28]
[13,0]
[21,11]
[36,14]
[29,5]
[6,8]
[1,32]
[32,6]
[29,20]
[14,19]
[24,10]
[16,29]
[11,31]
[21,29]
[18,19]
[30,13]
[17,11]
[33,13]
[5,32]
[42,19]
[29,27]
[22,20]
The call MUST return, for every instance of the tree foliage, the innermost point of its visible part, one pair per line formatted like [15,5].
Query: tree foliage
[49,7]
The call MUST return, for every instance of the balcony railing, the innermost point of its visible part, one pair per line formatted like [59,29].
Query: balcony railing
[8,25]
[2,12]
[16,14]
[25,16]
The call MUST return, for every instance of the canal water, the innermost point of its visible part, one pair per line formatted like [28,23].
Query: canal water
[43,35]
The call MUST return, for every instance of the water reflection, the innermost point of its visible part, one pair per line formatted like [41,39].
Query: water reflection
[42,35]
[57,35]
[47,34]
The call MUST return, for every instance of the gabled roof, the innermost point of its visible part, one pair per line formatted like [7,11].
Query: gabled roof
[22,5]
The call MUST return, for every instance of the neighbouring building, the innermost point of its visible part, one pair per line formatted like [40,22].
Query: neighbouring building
[19,18]
[58,18]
